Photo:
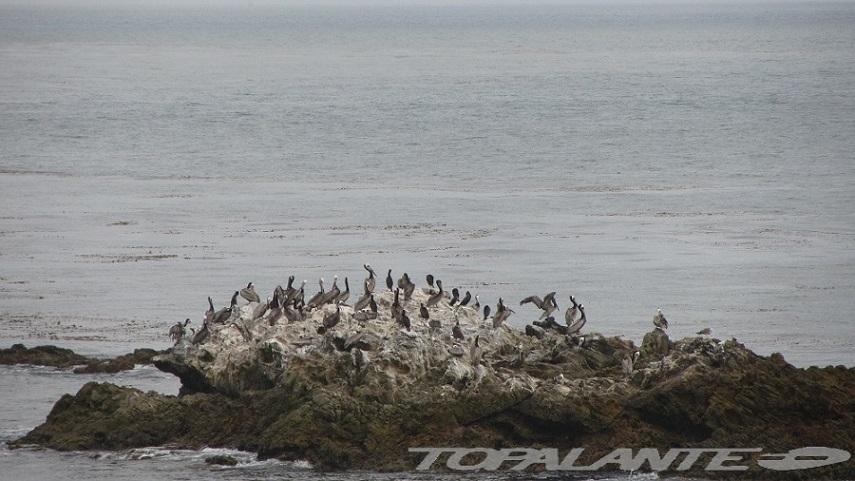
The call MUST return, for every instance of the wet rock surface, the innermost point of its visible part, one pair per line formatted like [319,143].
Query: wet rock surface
[66,358]
[41,356]
[358,395]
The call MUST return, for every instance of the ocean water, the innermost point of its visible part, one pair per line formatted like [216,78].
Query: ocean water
[696,158]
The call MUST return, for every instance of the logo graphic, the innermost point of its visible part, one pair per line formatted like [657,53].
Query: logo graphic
[720,459]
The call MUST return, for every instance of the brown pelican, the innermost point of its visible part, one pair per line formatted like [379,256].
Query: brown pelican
[502,313]
[295,293]
[466,299]
[315,300]
[570,314]
[369,281]
[628,363]
[456,332]
[275,314]
[201,335]
[331,319]
[389,281]
[342,298]
[705,331]
[547,304]
[226,313]
[477,305]
[408,292]
[300,298]
[475,352]
[289,290]
[290,314]
[577,326]
[366,315]
[177,332]
[261,309]
[331,295]
[278,296]
[209,314]
[362,303]
[455,296]
[407,286]
[249,293]
[434,299]
[659,320]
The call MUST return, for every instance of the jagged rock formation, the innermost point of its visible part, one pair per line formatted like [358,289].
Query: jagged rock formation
[41,356]
[359,395]
[66,358]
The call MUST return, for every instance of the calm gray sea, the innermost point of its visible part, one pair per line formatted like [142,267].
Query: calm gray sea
[693,157]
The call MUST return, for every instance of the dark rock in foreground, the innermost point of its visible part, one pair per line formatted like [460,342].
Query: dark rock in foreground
[359,397]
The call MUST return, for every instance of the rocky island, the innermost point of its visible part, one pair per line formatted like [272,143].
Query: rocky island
[389,390]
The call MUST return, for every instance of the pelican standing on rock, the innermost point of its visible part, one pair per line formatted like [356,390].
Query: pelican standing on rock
[362,303]
[342,298]
[261,309]
[314,300]
[475,352]
[249,293]
[570,315]
[177,332]
[209,314]
[201,335]
[293,293]
[226,313]
[659,320]
[332,294]
[287,292]
[434,299]
[363,315]
[333,318]
[407,286]
[370,280]
[577,326]
[628,363]
[502,313]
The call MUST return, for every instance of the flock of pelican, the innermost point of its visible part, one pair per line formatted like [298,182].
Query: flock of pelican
[290,303]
